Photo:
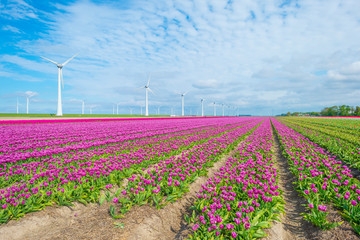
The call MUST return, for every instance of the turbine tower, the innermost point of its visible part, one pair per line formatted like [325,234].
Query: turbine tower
[202,106]
[17,105]
[117,108]
[223,106]
[83,107]
[28,95]
[60,82]
[182,102]
[147,88]
[91,108]
[214,109]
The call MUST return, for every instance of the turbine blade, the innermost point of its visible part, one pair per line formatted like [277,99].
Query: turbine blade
[49,60]
[151,91]
[186,92]
[148,83]
[69,59]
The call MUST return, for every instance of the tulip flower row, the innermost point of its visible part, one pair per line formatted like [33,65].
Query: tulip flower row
[75,138]
[345,126]
[347,151]
[332,132]
[81,176]
[243,197]
[321,179]
[167,143]
[168,180]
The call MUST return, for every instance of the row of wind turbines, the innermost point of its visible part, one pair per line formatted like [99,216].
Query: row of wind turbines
[146,87]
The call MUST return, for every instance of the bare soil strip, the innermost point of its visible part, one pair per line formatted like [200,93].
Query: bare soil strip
[94,221]
[168,222]
[292,225]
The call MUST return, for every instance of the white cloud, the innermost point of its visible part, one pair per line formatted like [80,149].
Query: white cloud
[17,9]
[247,52]
[11,29]
[203,84]
[348,72]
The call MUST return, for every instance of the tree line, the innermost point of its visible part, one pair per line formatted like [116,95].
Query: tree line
[341,110]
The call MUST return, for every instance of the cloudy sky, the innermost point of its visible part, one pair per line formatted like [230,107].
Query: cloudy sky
[260,56]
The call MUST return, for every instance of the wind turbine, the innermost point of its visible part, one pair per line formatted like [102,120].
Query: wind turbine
[60,81]
[202,106]
[28,95]
[17,105]
[117,108]
[223,105]
[83,107]
[147,88]
[214,108]
[91,107]
[182,102]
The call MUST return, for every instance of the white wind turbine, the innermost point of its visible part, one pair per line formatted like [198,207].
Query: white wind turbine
[60,82]
[83,107]
[28,95]
[202,106]
[223,108]
[182,102]
[17,105]
[147,88]
[117,108]
[214,108]
[91,108]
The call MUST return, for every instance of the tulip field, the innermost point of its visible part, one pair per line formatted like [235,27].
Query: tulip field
[129,164]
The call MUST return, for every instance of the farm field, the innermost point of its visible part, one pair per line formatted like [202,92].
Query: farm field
[180,178]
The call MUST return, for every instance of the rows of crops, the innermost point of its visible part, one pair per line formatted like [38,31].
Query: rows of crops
[154,162]
[322,177]
[60,163]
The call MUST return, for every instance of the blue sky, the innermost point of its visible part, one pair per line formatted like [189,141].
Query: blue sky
[261,56]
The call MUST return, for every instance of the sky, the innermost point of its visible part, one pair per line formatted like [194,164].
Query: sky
[255,57]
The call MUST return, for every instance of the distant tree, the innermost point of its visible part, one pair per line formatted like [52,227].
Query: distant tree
[357,111]
[344,110]
[325,112]
[330,111]
[314,114]
[334,111]
[288,114]
[352,110]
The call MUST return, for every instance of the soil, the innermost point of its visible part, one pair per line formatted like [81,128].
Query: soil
[94,221]
[292,225]
[168,222]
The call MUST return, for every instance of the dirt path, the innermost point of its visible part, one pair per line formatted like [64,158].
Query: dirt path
[168,222]
[293,226]
[94,221]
